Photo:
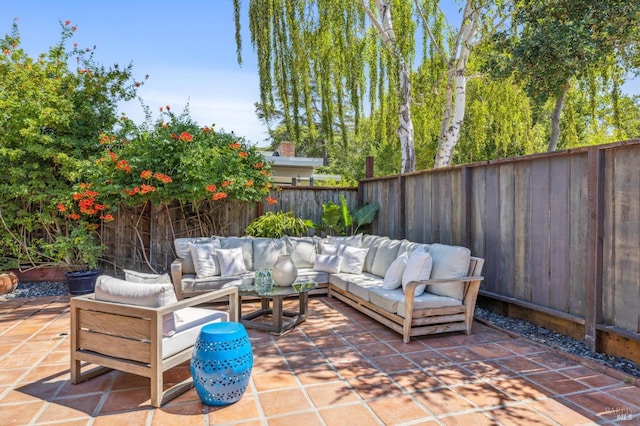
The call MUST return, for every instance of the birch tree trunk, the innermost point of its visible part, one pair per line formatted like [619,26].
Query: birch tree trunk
[384,24]
[555,119]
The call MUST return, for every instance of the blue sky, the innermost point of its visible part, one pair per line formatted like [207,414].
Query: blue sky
[187,48]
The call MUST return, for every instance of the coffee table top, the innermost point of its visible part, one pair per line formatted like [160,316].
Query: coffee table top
[301,285]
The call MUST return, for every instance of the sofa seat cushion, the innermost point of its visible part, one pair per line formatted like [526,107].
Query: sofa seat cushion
[192,283]
[188,326]
[310,274]
[429,300]
[386,299]
[358,285]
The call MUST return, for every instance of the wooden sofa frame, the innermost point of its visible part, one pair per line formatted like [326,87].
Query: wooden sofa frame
[419,322]
[129,338]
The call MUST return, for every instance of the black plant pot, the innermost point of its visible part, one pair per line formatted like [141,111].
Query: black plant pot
[82,282]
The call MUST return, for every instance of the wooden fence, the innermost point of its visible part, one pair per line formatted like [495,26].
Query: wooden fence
[142,239]
[560,232]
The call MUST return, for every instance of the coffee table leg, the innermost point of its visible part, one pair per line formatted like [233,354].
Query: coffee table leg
[303,306]
[277,314]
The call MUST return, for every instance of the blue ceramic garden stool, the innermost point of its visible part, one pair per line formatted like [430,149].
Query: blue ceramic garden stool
[221,363]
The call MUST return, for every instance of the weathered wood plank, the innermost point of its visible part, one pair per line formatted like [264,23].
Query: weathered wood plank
[579,218]
[539,232]
[507,244]
[559,234]
[492,234]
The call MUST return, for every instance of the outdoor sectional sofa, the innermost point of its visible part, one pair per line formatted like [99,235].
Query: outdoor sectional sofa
[414,289]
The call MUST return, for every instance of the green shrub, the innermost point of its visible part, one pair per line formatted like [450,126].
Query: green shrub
[276,225]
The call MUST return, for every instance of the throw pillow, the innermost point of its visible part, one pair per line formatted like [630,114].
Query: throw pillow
[302,250]
[418,269]
[145,278]
[352,259]
[327,263]
[393,277]
[205,261]
[231,261]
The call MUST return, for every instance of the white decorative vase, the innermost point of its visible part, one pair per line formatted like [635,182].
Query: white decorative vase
[284,271]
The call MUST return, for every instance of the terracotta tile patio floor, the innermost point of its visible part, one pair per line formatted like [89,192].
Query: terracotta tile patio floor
[337,368]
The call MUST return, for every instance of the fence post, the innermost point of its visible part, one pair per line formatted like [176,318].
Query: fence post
[595,225]
[369,167]
[466,205]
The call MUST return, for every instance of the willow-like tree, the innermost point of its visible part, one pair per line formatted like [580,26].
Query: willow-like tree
[330,52]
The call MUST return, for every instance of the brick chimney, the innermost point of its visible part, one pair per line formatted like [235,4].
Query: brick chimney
[286,149]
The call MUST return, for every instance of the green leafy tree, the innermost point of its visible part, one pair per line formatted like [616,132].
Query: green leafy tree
[53,108]
[555,44]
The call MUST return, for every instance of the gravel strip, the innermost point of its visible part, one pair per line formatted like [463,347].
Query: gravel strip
[523,328]
[557,341]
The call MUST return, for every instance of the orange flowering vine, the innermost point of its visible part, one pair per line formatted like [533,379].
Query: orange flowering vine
[185,137]
[243,154]
[236,145]
[219,195]
[162,178]
[258,165]
[226,183]
[211,188]
[146,174]
[271,200]
[124,166]
[249,182]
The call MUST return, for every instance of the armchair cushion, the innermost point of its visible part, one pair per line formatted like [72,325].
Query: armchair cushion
[146,278]
[110,289]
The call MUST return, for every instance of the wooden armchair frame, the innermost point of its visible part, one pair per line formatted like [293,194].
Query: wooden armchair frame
[129,338]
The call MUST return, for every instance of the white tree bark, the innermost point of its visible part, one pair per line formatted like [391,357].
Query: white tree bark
[384,24]
[555,119]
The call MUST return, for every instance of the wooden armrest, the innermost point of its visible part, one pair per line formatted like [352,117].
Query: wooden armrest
[176,277]
[414,284]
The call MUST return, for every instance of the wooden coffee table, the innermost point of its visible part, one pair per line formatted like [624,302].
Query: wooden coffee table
[282,320]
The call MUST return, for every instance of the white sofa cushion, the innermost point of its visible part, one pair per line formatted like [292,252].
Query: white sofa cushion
[330,249]
[385,255]
[205,260]
[327,263]
[449,262]
[418,269]
[351,240]
[245,243]
[184,252]
[386,299]
[352,259]
[407,247]
[428,300]
[231,261]
[371,242]
[393,277]
[188,328]
[266,252]
[302,250]
[146,278]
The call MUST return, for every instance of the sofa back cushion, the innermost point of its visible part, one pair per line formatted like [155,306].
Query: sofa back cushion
[371,242]
[184,252]
[407,247]
[449,262]
[266,252]
[245,243]
[302,250]
[351,240]
[385,255]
